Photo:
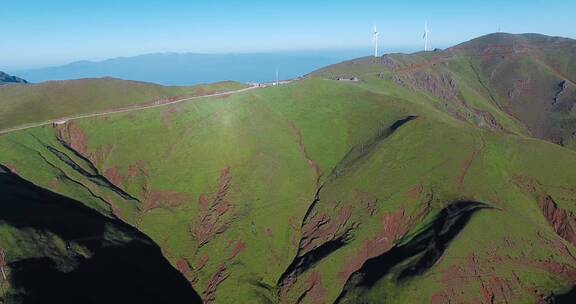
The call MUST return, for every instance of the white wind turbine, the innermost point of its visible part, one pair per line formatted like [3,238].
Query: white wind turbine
[426,32]
[375,38]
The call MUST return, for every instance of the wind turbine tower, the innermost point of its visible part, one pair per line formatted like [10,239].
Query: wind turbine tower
[426,33]
[375,38]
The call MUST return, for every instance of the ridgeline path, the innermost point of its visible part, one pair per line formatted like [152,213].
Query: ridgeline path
[156,104]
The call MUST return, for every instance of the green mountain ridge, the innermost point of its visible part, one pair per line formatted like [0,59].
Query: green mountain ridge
[435,177]
[58,99]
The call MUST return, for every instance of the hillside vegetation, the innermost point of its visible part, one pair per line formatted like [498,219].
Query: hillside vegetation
[421,182]
[58,99]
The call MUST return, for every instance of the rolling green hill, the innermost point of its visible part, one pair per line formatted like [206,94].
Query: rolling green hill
[421,181]
[58,99]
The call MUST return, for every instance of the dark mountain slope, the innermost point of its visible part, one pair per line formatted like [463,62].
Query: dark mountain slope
[76,255]
[7,79]
[534,78]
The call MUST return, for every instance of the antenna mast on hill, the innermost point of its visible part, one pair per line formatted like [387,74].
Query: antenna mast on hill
[426,32]
[277,80]
[375,38]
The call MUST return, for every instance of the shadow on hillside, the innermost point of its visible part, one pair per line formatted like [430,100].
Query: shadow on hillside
[124,268]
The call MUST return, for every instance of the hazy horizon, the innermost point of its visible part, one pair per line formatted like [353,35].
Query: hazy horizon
[53,33]
[347,53]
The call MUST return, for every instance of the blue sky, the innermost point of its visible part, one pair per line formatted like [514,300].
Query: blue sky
[41,33]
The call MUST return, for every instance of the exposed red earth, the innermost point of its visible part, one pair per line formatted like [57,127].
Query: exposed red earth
[311,163]
[563,222]
[394,226]
[209,294]
[216,213]
[465,167]
[75,137]
[154,199]
[316,290]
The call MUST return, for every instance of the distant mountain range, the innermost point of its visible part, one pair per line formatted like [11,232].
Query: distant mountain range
[189,68]
[6,79]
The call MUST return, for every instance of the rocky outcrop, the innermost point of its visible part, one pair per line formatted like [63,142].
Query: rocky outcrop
[563,222]
[561,88]
[443,86]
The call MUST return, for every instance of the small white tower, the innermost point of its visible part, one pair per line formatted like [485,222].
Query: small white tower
[375,38]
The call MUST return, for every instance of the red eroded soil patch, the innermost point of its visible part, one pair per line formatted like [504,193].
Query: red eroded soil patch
[394,226]
[113,175]
[75,137]
[12,169]
[215,214]
[322,228]
[137,169]
[183,266]
[209,295]
[163,199]
[240,246]
[426,64]
[465,167]
[563,222]
[317,292]
[476,281]
[203,201]
[479,277]
[366,199]
[415,192]
[164,247]
[202,262]
[133,171]
[113,207]
[490,120]
[54,184]
[311,163]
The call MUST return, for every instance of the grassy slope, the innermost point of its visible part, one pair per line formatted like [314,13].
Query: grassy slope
[253,158]
[21,104]
[513,77]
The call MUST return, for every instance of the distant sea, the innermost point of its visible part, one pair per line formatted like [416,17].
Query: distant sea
[190,68]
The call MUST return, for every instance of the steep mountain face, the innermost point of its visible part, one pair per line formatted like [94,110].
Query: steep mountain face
[7,79]
[529,78]
[533,77]
[417,183]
